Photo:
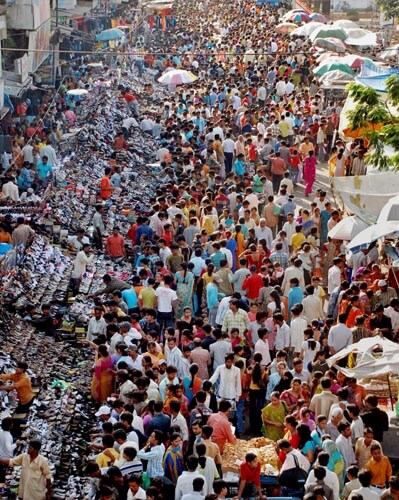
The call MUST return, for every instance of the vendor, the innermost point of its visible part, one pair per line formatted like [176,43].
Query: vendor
[250,478]
[22,384]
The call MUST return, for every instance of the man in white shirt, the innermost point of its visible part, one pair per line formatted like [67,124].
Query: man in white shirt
[27,153]
[298,325]
[184,483]
[289,226]
[264,232]
[262,346]
[166,303]
[312,308]
[49,151]
[344,444]
[97,325]
[229,377]
[174,355]
[293,459]
[339,336]
[228,150]
[10,189]
[82,260]
[334,275]
[7,445]
[365,491]
[283,333]
[331,478]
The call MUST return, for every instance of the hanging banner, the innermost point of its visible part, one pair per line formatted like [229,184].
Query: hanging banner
[39,40]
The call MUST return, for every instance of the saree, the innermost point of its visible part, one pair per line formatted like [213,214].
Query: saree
[336,463]
[184,291]
[276,415]
[102,384]
[173,464]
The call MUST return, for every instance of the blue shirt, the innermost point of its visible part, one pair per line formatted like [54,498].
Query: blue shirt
[212,295]
[239,167]
[43,170]
[130,297]
[295,296]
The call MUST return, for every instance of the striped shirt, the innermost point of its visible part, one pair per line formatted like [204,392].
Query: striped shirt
[155,460]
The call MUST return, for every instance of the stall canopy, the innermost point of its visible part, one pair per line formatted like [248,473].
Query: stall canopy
[375,357]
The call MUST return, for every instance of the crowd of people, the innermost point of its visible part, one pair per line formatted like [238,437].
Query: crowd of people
[237,296]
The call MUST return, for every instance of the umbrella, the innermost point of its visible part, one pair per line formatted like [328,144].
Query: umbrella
[347,228]
[111,34]
[327,57]
[318,17]
[373,233]
[306,29]
[360,37]
[337,77]
[78,92]
[285,27]
[390,211]
[177,77]
[296,17]
[331,66]
[328,32]
[354,61]
[344,24]
[332,44]
[389,52]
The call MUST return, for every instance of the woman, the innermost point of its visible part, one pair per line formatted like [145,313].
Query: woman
[273,416]
[173,459]
[336,463]
[193,383]
[309,348]
[306,443]
[251,240]
[102,384]
[254,256]
[206,467]
[239,146]
[264,294]
[275,305]
[257,393]
[309,172]
[240,240]
[184,280]
[293,395]
[187,319]
[339,170]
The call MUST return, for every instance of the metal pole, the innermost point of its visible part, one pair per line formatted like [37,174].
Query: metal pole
[390,392]
[55,47]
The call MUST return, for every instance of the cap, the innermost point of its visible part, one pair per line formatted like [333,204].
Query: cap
[30,190]
[132,347]
[382,283]
[103,410]
[162,362]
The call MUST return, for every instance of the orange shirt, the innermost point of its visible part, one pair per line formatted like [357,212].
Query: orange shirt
[105,186]
[380,471]
[116,245]
[22,386]
[222,432]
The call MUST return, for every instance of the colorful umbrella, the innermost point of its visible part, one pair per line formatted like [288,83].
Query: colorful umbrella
[177,77]
[296,17]
[285,27]
[344,24]
[354,61]
[336,77]
[331,44]
[111,34]
[318,17]
[328,32]
[331,66]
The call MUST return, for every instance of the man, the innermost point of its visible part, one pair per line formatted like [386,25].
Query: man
[10,189]
[331,479]
[35,480]
[293,459]
[375,418]
[385,293]
[283,333]
[298,326]
[252,284]
[392,493]
[320,475]
[312,308]
[174,355]
[278,168]
[363,447]
[98,227]
[222,432]
[275,378]
[293,271]
[229,378]
[380,468]
[320,404]
[198,489]
[136,492]
[235,318]
[299,372]
[344,444]
[238,279]
[49,152]
[340,336]
[250,485]
[334,275]
[202,358]
[184,483]
[115,245]
[264,232]
[82,260]
[20,382]
[44,170]
[111,284]
[23,234]
[153,452]
[365,491]
[228,150]
[166,303]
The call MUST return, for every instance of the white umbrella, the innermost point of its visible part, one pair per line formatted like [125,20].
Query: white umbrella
[177,77]
[390,211]
[306,29]
[347,228]
[345,24]
[78,92]
[360,37]
[373,233]
[389,52]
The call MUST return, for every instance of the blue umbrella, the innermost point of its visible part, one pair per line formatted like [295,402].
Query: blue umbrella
[111,34]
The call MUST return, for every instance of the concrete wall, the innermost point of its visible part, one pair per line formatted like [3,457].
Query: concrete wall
[28,14]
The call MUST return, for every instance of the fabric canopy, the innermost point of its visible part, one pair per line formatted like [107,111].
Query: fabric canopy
[368,363]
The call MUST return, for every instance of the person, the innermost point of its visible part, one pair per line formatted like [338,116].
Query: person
[392,492]
[339,336]
[380,468]
[250,485]
[321,403]
[375,418]
[222,432]
[196,493]
[7,446]
[309,171]
[21,383]
[344,444]
[153,452]
[336,462]
[135,492]
[166,303]
[294,460]
[353,482]
[320,475]
[331,479]
[23,234]
[184,484]
[364,491]
[273,416]
[184,280]
[229,378]
[82,260]
[35,480]
[102,383]
[173,459]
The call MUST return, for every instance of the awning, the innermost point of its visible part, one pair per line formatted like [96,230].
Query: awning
[3,112]
[15,89]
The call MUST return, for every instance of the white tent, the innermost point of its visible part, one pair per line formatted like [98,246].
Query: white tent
[376,357]
[390,211]
[347,228]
